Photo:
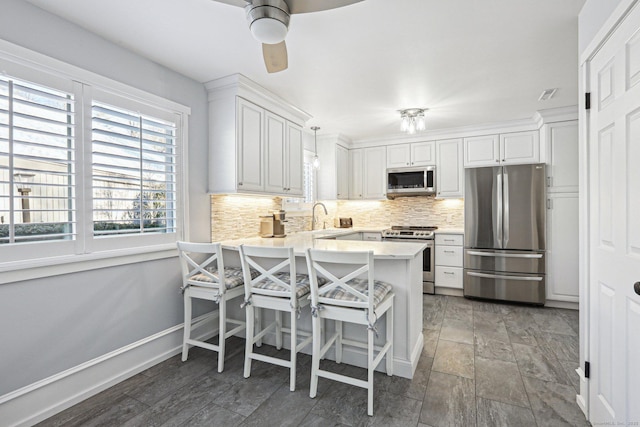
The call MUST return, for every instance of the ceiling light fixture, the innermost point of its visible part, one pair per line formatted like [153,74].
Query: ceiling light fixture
[412,120]
[268,20]
[547,94]
[316,160]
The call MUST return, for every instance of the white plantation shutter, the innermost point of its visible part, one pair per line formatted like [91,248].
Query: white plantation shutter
[133,172]
[37,163]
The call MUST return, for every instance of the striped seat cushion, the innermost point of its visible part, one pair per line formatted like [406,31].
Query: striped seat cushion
[380,290]
[233,276]
[303,284]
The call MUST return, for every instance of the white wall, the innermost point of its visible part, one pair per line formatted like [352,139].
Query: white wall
[52,324]
[593,15]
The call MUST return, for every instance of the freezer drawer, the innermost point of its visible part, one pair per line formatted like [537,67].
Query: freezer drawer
[528,288]
[505,261]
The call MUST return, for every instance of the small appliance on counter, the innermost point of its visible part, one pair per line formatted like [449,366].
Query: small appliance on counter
[273,225]
[343,222]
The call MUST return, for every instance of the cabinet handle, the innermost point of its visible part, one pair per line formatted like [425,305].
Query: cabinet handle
[449,240]
[449,252]
[549,181]
[497,161]
[449,272]
[549,204]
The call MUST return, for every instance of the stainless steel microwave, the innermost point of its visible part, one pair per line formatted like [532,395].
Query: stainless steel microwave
[411,182]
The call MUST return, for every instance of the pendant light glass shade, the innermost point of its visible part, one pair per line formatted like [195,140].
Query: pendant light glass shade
[412,120]
[316,160]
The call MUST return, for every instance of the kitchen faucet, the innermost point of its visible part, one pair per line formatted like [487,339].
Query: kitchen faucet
[313,213]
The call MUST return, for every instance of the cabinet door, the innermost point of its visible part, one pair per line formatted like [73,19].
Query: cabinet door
[520,148]
[562,249]
[294,154]
[250,146]
[449,170]
[355,173]
[562,151]
[481,151]
[342,172]
[423,153]
[274,143]
[398,156]
[374,173]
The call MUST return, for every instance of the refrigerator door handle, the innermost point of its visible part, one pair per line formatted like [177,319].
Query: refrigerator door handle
[497,208]
[499,276]
[500,255]
[505,207]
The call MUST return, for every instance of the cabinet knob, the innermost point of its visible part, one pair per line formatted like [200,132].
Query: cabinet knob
[504,160]
[239,183]
[636,288]
[497,161]
[407,163]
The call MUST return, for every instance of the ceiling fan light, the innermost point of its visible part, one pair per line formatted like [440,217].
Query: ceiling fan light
[268,30]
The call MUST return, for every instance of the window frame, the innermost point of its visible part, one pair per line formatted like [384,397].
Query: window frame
[30,260]
[296,206]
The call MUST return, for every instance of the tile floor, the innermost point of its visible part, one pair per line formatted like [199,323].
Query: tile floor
[483,364]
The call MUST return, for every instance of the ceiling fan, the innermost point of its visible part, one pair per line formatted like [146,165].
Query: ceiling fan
[269,23]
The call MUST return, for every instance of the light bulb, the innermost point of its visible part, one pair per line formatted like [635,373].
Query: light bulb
[412,126]
[315,162]
[404,125]
[420,126]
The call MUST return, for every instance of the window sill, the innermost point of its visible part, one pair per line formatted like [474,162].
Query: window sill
[54,266]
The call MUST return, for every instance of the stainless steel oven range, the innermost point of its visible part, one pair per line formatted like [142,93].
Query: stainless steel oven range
[425,235]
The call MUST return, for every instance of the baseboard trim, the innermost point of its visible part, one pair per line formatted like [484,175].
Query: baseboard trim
[43,399]
[452,292]
[562,304]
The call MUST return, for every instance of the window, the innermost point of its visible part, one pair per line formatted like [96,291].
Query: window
[85,168]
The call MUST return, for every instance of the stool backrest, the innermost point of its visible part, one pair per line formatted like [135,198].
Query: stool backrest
[262,260]
[359,265]
[196,272]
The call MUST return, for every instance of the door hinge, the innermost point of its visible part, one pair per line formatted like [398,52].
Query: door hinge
[587,101]
[587,369]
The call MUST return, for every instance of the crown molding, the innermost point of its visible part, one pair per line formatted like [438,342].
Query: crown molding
[239,85]
[552,115]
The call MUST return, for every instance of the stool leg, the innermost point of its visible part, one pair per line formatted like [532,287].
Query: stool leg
[258,316]
[315,357]
[389,355]
[278,316]
[187,325]
[370,338]
[294,353]
[248,350]
[339,341]
[222,307]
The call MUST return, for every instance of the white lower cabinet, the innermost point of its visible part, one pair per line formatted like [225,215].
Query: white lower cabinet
[448,263]
[562,247]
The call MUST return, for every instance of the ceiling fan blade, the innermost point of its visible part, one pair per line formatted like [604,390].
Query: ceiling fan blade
[307,6]
[239,3]
[275,57]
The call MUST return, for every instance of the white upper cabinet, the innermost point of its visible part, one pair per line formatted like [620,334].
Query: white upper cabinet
[414,154]
[255,140]
[250,147]
[342,173]
[368,177]
[449,170]
[520,148]
[294,161]
[506,149]
[562,156]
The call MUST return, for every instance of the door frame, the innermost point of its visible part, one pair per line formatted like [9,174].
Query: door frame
[584,85]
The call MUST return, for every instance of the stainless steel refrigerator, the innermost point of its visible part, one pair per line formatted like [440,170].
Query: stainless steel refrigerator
[505,222]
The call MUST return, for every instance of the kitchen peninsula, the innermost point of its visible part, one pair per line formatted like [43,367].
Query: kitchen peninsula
[397,263]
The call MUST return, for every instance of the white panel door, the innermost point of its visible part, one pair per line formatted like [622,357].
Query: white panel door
[274,153]
[355,173]
[520,148]
[374,173]
[423,153]
[398,156]
[250,146]
[294,153]
[449,170]
[614,233]
[562,247]
[481,151]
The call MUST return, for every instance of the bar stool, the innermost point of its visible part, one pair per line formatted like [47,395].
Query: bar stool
[208,280]
[273,288]
[349,298]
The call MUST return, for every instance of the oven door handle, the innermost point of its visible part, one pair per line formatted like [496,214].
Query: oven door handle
[499,276]
[501,255]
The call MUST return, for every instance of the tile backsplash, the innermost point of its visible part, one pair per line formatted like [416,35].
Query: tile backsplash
[237,216]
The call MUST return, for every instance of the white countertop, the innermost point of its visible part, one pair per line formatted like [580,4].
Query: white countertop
[450,231]
[317,239]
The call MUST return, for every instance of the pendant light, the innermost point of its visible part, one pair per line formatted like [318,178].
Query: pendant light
[316,160]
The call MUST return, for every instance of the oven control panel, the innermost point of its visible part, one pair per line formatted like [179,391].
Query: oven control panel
[408,233]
